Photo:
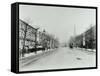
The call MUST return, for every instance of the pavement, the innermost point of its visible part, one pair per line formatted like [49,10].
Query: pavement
[28,58]
[62,58]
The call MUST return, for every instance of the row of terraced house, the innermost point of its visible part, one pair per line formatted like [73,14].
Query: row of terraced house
[86,40]
[31,38]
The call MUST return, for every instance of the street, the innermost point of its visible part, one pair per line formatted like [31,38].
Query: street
[61,58]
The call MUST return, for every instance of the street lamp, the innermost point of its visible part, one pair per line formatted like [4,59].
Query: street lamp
[36,29]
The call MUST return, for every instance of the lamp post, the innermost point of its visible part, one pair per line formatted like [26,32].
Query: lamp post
[36,39]
[44,39]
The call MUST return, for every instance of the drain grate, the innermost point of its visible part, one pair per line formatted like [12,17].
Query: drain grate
[78,58]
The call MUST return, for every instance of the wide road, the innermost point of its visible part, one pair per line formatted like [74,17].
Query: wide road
[60,59]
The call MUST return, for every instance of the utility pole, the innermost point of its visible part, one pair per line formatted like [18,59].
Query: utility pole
[74,31]
[74,35]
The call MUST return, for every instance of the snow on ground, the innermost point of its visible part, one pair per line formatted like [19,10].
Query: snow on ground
[62,58]
[30,54]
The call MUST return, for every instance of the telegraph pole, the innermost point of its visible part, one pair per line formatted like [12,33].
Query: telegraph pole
[74,35]
[74,31]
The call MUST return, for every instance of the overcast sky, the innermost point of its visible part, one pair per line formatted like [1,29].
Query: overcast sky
[59,21]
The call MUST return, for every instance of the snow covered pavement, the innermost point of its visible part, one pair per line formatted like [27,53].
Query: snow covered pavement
[62,58]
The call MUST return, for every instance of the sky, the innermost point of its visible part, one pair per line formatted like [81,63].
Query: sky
[62,22]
